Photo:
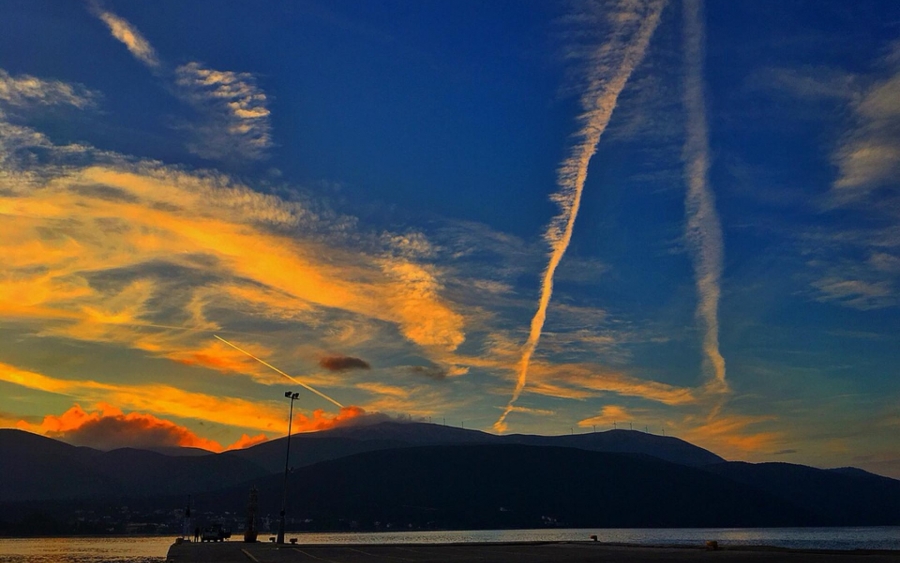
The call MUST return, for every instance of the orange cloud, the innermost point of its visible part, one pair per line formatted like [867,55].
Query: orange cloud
[608,415]
[246,441]
[219,357]
[162,399]
[320,420]
[733,436]
[582,379]
[109,428]
[573,380]
[244,253]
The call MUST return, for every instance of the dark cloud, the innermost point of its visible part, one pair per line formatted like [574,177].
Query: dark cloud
[784,452]
[343,363]
[432,372]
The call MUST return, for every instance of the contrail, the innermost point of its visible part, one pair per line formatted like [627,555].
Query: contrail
[703,228]
[598,102]
[270,366]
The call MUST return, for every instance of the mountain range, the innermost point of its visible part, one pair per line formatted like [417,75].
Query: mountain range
[434,476]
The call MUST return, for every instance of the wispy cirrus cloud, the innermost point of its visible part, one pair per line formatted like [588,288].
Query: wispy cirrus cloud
[135,255]
[133,218]
[27,91]
[858,294]
[236,120]
[866,155]
[136,44]
[609,67]
[734,436]
[808,83]
[856,267]
[869,157]
[97,253]
[585,380]
[849,249]
[23,95]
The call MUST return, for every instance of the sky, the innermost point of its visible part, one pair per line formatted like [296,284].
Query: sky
[514,216]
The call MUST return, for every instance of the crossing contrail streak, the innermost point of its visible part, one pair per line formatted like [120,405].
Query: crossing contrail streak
[270,366]
[703,228]
[598,101]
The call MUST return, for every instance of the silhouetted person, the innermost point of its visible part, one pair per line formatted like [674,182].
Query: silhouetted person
[197,533]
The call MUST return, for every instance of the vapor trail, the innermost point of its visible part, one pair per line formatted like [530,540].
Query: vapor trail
[270,366]
[703,228]
[598,102]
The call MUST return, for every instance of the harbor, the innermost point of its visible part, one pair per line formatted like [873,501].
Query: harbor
[523,552]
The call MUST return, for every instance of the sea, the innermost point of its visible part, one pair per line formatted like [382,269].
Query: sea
[152,549]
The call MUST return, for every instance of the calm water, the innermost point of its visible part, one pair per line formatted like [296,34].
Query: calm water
[153,549]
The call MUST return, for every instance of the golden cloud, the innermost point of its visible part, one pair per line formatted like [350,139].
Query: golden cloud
[85,249]
[609,414]
[733,435]
[160,399]
[130,37]
[383,389]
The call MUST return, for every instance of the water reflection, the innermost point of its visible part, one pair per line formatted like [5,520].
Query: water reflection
[120,549]
[115,549]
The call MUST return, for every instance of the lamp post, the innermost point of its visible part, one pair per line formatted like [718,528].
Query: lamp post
[287,459]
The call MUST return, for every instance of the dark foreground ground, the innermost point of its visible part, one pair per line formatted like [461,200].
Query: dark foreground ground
[568,552]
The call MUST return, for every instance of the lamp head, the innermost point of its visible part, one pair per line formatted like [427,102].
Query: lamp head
[287,394]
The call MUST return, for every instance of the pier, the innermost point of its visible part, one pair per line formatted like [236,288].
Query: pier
[537,552]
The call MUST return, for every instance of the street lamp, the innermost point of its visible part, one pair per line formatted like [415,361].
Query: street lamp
[287,459]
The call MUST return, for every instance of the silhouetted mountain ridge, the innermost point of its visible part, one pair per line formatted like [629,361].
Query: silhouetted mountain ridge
[314,447]
[380,471]
[854,498]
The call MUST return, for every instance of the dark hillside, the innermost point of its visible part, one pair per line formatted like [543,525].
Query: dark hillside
[840,498]
[485,486]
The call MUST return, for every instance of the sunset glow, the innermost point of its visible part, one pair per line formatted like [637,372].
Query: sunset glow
[525,217]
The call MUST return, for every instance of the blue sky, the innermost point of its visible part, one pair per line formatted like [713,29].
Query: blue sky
[385,199]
